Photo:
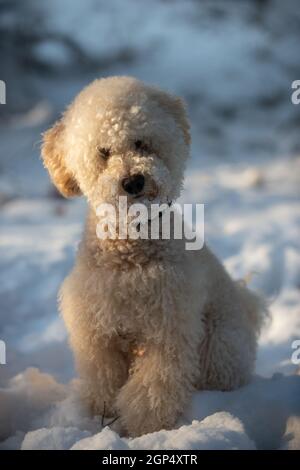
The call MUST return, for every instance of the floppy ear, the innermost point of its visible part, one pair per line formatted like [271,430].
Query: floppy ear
[178,109]
[53,158]
[175,106]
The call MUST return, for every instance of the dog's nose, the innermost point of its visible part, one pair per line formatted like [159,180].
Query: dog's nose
[133,184]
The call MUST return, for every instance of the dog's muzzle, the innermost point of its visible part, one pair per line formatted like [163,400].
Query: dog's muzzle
[134,184]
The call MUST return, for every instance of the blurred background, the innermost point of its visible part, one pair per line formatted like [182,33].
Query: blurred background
[233,62]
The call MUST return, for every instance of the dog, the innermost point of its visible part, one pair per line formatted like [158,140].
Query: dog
[149,322]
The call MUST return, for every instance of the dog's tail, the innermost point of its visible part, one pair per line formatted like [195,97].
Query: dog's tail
[255,304]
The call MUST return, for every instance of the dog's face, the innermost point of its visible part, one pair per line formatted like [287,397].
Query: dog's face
[119,138]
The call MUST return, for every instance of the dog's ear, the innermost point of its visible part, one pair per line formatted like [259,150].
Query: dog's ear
[177,107]
[54,161]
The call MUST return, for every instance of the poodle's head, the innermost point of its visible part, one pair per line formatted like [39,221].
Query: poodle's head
[119,137]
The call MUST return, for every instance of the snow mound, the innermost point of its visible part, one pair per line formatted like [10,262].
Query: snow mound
[52,439]
[106,439]
[262,415]
[219,431]
[27,396]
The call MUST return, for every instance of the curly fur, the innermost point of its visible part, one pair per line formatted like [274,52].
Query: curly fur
[148,321]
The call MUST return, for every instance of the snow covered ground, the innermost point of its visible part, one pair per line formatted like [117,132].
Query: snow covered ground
[235,69]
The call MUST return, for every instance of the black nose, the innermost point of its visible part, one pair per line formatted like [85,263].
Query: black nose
[133,184]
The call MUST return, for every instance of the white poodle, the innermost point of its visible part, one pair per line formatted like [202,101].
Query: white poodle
[149,321]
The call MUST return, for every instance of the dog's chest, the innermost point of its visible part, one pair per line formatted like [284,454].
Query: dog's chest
[141,300]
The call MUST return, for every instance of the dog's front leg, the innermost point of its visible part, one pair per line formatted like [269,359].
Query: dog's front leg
[159,387]
[103,370]
[102,367]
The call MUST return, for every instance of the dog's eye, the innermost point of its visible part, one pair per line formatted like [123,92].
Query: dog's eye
[104,152]
[141,146]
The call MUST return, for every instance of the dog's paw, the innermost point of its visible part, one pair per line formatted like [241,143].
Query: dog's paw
[140,412]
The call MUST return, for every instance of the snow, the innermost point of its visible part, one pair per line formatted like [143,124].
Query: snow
[219,431]
[235,71]
[55,438]
[262,415]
